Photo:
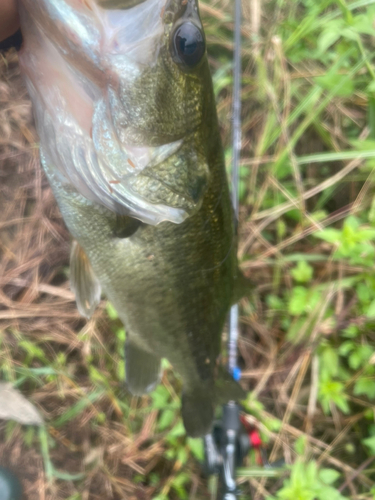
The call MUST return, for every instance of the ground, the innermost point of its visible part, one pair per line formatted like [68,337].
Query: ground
[307,233]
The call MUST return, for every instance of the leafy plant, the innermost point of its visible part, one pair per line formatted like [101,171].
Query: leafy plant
[308,482]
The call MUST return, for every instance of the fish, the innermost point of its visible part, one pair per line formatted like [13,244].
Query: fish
[129,140]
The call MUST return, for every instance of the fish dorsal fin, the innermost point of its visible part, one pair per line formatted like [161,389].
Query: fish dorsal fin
[83,281]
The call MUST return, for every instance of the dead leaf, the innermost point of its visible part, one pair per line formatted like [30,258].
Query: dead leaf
[14,406]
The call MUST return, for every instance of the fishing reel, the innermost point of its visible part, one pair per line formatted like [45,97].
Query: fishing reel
[227,446]
[225,449]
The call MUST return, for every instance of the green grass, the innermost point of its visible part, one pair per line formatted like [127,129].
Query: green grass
[307,242]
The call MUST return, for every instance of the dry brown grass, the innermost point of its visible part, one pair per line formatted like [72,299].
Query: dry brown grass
[113,438]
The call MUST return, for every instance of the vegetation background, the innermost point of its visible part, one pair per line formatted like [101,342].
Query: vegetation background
[307,241]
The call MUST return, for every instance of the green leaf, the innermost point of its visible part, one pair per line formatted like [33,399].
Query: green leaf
[366,386]
[300,445]
[332,391]
[350,332]
[196,447]
[281,228]
[160,397]
[302,272]
[310,471]
[166,418]
[371,310]
[275,302]
[371,214]
[65,476]
[328,476]
[170,454]
[351,222]
[330,235]
[181,479]
[329,36]
[334,82]
[28,436]
[341,403]
[120,369]
[370,443]
[78,408]
[178,485]
[273,424]
[360,356]
[182,455]
[363,293]
[346,347]
[178,430]
[363,23]
[298,300]
[111,311]
[329,362]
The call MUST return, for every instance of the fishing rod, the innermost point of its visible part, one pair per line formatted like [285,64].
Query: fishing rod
[228,444]
[232,451]
[232,438]
[236,145]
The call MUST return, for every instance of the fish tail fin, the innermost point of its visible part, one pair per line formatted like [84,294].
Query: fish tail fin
[226,388]
[198,403]
[197,410]
[142,369]
[83,281]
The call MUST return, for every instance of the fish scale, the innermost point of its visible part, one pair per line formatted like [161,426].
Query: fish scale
[172,278]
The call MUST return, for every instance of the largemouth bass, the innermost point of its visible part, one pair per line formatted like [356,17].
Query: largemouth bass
[129,140]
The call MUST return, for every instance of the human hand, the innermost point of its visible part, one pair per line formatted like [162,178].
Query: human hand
[9,21]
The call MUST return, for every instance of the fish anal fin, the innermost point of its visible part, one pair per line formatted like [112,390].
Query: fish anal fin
[83,281]
[142,369]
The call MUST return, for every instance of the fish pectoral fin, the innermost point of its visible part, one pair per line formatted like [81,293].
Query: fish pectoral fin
[197,410]
[83,281]
[226,388]
[142,369]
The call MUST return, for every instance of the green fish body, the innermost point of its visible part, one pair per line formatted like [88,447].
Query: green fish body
[131,147]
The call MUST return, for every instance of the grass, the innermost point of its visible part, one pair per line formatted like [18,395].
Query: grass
[307,242]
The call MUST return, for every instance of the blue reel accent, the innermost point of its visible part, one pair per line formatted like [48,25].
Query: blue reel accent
[236,374]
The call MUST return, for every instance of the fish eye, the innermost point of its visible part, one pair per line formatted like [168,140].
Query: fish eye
[188,44]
